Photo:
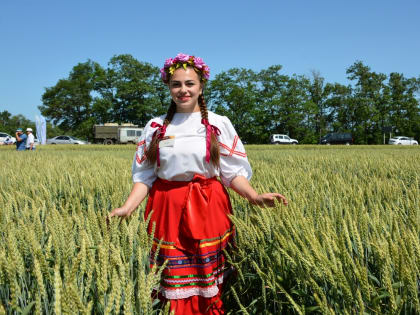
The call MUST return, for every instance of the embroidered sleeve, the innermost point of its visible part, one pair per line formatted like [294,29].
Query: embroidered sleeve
[142,171]
[233,158]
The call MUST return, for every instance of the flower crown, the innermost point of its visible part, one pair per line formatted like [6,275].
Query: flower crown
[183,60]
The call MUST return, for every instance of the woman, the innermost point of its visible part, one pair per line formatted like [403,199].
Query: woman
[178,159]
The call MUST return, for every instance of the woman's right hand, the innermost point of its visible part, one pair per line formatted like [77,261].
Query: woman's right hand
[137,194]
[120,212]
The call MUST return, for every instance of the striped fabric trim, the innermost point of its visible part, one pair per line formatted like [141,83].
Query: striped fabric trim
[216,272]
[195,284]
[186,256]
[157,241]
[204,244]
[182,292]
[216,238]
[192,282]
[232,150]
[143,158]
[189,263]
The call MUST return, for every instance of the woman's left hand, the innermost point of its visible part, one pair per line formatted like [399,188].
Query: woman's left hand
[268,199]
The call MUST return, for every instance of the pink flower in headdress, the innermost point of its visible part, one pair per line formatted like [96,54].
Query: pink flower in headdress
[198,62]
[168,62]
[182,58]
[206,71]
[163,74]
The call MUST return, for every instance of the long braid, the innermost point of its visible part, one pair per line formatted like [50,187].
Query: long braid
[214,143]
[151,153]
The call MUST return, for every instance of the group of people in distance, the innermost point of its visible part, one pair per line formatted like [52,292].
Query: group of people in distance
[184,161]
[25,142]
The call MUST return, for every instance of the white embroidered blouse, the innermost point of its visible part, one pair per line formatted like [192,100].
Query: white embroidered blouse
[184,155]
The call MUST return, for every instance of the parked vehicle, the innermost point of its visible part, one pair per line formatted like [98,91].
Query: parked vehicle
[337,138]
[401,140]
[111,133]
[282,139]
[5,138]
[65,140]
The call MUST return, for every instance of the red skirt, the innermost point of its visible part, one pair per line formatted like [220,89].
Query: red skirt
[191,222]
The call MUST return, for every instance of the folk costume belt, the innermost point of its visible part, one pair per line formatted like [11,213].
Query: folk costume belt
[195,205]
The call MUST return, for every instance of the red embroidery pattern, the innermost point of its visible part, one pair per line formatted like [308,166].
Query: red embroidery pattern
[140,143]
[232,150]
[138,159]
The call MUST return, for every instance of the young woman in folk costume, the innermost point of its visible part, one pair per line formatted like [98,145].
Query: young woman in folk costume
[178,159]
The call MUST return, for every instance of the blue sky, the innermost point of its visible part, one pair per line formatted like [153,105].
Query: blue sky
[40,41]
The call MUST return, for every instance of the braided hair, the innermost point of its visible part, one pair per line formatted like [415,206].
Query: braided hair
[214,144]
[151,152]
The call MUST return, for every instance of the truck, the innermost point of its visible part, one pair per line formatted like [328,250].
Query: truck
[110,133]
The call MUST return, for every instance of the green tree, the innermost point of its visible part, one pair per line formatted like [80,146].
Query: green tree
[5,118]
[69,103]
[271,86]
[134,91]
[126,91]
[295,103]
[404,114]
[368,103]
[9,123]
[233,93]
[340,114]
[319,94]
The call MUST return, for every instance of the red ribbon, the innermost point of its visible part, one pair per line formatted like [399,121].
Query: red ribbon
[210,129]
[160,135]
[195,209]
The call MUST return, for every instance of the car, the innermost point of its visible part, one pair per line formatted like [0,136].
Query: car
[65,140]
[282,139]
[402,140]
[5,138]
[337,138]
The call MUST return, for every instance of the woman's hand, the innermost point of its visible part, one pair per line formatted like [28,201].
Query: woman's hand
[137,195]
[268,199]
[241,185]
[120,212]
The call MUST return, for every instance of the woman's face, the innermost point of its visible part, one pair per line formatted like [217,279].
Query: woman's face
[185,88]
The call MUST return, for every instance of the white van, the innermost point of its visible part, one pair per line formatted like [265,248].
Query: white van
[282,139]
[5,138]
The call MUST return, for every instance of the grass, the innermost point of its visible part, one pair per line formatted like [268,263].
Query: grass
[347,243]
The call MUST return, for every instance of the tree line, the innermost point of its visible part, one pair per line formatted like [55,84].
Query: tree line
[258,103]
[9,123]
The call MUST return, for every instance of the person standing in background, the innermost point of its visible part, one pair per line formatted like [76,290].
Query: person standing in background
[20,140]
[30,141]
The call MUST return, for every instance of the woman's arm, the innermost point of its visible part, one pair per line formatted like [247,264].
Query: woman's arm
[241,185]
[137,195]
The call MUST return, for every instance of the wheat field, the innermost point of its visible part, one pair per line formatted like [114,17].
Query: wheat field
[348,243]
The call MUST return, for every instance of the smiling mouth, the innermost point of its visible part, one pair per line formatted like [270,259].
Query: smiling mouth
[184,98]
